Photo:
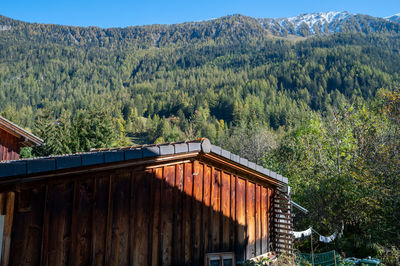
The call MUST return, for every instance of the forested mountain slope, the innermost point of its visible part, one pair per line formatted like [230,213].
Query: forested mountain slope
[225,29]
[315,102]
[218,66]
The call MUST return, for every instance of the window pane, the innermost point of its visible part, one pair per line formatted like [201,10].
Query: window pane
[228,262]
[214,262]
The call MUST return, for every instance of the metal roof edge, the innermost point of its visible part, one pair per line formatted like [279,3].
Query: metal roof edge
[248,164]
[26,167]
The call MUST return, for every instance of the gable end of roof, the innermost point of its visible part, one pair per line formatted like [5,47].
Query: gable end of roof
[30,140]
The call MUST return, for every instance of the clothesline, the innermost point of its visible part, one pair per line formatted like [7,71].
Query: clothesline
[324,239]
[302,233]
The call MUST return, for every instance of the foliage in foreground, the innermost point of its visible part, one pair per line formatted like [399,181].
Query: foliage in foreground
[306,109]
[345,167]
[283,259]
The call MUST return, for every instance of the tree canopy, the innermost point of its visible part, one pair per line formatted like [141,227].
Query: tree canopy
[322,111]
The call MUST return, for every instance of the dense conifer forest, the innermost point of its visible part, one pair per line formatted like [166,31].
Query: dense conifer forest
[323,110]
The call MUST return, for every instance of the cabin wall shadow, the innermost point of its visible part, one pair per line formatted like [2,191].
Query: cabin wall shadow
[167,215]
[9,146]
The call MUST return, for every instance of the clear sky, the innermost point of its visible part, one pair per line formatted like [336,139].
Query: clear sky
[122,13]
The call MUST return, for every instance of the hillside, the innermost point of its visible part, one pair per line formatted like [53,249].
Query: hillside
[325,23]
[228,28]
[173,70]
[311,97]
[230,69]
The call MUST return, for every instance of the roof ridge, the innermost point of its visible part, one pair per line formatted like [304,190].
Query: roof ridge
[148,145]
[104,156]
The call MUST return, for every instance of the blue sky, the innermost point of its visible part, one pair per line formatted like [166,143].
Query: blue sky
[121,13]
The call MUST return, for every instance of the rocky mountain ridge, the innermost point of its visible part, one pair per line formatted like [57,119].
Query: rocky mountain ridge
[231,28]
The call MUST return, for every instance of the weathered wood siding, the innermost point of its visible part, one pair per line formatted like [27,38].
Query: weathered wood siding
[9,148]
[167,215]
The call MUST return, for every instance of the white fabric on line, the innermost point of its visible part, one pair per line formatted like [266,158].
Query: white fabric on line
[302,233]
[328,239]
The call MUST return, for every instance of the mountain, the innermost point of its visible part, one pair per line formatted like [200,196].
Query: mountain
[234,28]
[324,23]
[316,23]
[394,18]
[300,95]
[197,77]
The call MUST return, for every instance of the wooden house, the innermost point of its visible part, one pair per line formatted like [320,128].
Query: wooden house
[186,203]
[12,138]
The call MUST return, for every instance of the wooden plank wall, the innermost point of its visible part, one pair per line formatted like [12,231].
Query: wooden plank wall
[7,204]
[9,149]
[169,215]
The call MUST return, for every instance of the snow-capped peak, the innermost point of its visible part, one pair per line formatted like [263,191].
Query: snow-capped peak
[317,19]
[395,15]
[394,18]
[311,19]
[321,22]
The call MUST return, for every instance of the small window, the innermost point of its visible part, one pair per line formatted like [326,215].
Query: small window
[220,259]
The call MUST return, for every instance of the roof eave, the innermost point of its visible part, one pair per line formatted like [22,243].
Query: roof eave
[30,140]
[200,148]
[259,174]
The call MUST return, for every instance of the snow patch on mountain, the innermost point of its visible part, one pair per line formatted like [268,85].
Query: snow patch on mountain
[314,23]
[325,23]
[393,18]
[316,20]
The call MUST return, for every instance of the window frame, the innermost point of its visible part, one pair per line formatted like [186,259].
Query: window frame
[220,256]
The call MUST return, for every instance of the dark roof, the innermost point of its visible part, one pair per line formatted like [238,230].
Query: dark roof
[30,140]
[103,156]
